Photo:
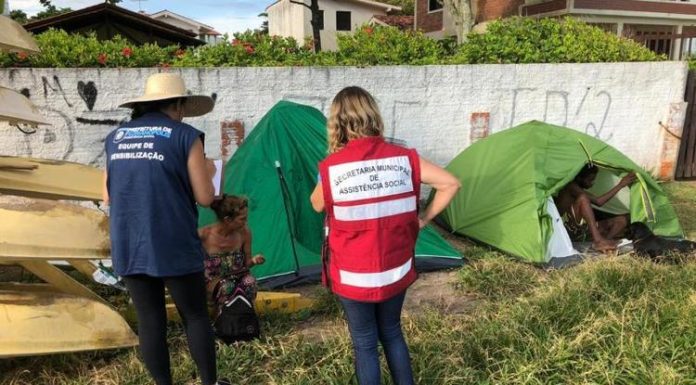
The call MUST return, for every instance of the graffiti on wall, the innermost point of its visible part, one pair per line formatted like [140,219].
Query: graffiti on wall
[589,114]
[435,114]
[95,123]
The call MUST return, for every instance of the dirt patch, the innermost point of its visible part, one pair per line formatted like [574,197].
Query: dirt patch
[320,330]
[432,291]
[437,290]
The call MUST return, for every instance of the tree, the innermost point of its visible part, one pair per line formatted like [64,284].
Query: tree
[462,16]
[316,15]
[407,6]
[49,11]
[19,16]
[264,25]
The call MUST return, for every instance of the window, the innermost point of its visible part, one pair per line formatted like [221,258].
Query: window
[321,19]
[434,5]
[343,21]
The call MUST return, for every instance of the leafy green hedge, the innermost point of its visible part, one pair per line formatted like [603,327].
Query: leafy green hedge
[514,40]
[60,49]
[524,40]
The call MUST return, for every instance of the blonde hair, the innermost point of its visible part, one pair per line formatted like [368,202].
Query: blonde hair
[354,114]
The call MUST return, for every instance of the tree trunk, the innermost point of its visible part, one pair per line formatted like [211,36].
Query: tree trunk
[462,15]
[314,21]
[316,32]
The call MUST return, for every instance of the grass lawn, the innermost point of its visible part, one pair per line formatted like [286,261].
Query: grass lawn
[615,320]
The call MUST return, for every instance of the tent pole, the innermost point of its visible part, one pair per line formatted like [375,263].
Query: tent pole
[285,193]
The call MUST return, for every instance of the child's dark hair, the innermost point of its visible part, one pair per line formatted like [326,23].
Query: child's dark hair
[230,206]
[586,171]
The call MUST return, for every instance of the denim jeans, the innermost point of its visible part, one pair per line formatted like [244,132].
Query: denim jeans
[372,322]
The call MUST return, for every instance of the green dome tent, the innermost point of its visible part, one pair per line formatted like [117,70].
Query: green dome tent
[284,226]
[509,180]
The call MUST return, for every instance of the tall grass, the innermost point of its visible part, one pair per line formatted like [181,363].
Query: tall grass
[618,320]
[614,321]
[683,198]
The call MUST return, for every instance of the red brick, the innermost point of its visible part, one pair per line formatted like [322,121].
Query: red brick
[427,22]
[480,126]
[497,9]
[487,10]
[232,136]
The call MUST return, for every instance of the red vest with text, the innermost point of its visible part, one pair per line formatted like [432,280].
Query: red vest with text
[371,190]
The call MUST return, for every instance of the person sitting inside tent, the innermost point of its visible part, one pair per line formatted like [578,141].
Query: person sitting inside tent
[574,204]
[228,247]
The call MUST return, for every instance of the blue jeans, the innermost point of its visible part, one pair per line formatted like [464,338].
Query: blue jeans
[372,322]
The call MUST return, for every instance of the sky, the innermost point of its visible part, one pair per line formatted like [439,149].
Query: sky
[226,16]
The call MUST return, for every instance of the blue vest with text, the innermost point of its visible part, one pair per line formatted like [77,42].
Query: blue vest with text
[153,214]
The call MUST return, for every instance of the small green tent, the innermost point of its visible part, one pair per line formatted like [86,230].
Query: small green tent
[509,180]
[276,168]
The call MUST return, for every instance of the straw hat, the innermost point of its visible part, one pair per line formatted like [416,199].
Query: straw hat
[14,38]
[17,109]
[165,86]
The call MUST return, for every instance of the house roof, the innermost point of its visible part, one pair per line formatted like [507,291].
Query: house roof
[401,22]
[387,7]
[208,30]
[107,20]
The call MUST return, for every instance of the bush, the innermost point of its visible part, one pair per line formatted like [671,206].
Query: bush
[692,63]
[380,45]
[61,49]
[525,40]
[247,49]
[515,40]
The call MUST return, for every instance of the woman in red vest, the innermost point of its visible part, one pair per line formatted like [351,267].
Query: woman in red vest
[370,190]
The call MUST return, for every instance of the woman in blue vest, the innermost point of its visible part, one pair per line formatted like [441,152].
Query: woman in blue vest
[156,172]
[370,190]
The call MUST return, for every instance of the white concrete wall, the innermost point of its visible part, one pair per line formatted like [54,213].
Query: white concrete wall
[285,19]
[439,110]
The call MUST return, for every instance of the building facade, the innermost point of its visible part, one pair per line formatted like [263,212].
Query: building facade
[204,32]
[432,18]
[665,26]
[288,19]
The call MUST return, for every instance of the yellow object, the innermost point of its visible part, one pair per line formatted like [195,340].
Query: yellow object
[43,322]
[52,179]
[15,108]
[62,315]
[269,301]
[266,302]
[42,229]
[14,38]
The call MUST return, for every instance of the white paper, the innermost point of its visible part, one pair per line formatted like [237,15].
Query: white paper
[217,178]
